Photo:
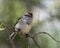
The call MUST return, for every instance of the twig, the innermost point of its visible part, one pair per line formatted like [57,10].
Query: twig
[11,41]
[47,34]
[34,40]
[36,43]
[14,34]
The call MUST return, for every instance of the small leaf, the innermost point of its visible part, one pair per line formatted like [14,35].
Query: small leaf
[1,29]
[1,26]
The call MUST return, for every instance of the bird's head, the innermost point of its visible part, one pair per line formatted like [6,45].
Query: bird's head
[29,14]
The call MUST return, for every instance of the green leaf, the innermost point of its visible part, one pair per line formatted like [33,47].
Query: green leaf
[1,29]
[1,26]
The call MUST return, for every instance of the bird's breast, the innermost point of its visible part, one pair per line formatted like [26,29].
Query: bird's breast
[23,26]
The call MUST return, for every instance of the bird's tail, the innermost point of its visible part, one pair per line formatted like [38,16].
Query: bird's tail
[12,36]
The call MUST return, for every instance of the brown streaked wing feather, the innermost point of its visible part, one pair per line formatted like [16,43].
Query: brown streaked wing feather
[17,21]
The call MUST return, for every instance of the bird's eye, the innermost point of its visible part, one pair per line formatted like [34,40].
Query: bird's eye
[19,30]
[26,15]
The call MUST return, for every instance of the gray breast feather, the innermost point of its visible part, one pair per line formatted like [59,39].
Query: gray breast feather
[23,26]
[27,19]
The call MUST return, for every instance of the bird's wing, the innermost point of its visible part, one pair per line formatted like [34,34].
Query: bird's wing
[18,20]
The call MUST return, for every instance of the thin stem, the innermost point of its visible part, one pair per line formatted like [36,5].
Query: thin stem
[36,43]
[11,41]
[47,34]
[34,40]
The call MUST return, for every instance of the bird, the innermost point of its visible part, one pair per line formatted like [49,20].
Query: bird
[23,24]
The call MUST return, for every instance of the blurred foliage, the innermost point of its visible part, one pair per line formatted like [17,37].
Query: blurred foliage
[11,11]
[2,26]
[47,16]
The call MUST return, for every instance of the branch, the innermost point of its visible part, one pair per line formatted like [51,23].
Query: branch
[34,40]
[11,41]
[47,34]
[39,34]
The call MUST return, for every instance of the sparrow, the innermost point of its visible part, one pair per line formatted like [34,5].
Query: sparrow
[24,24]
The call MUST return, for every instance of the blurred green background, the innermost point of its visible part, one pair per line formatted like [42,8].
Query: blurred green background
[46,17]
